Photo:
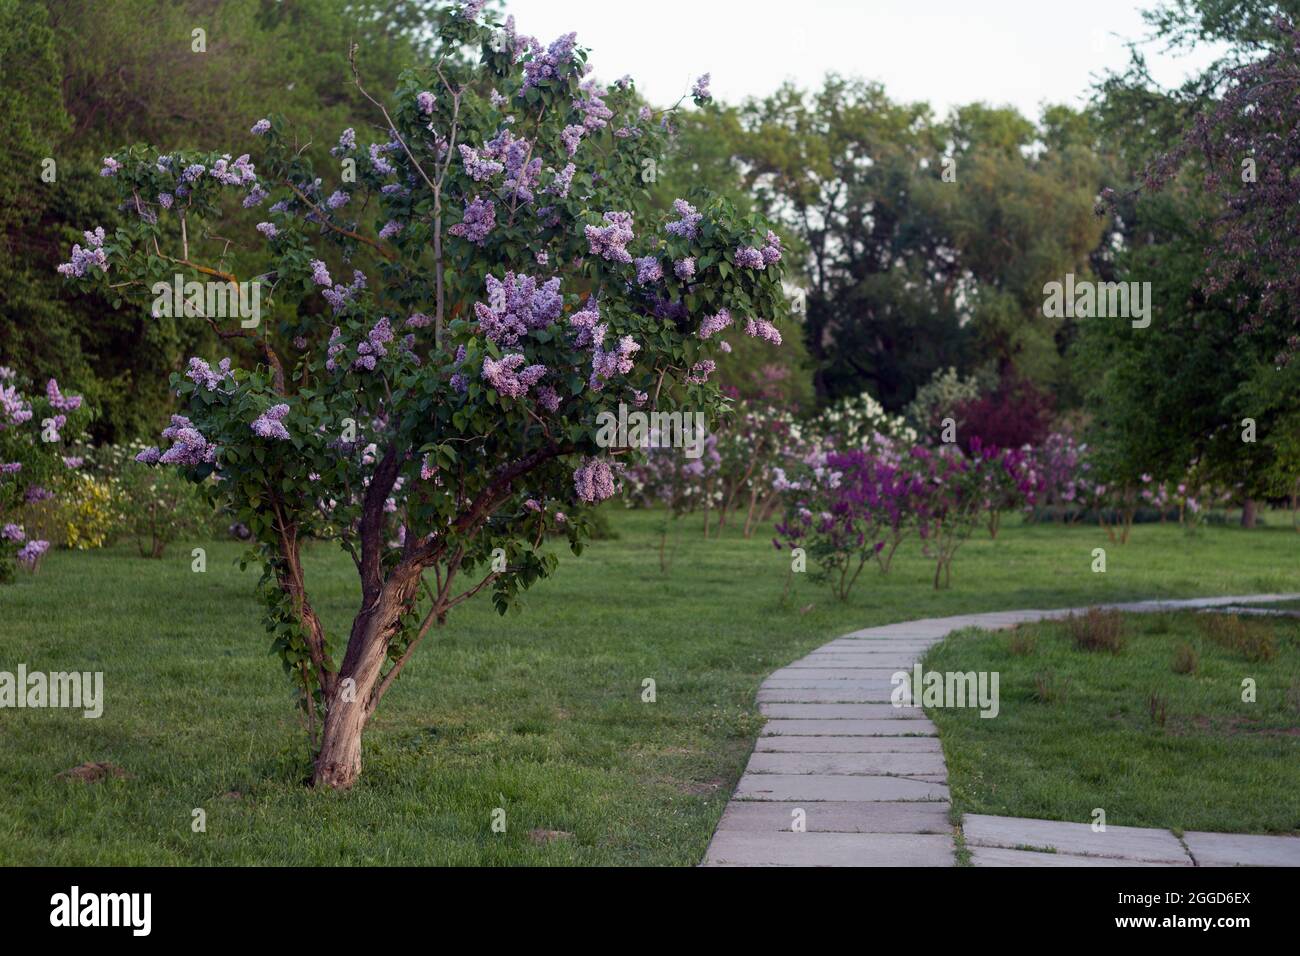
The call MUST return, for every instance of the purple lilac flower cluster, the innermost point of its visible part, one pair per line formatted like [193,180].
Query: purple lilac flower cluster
[750,258]
[374,346]
[341,295]
[479,166]
[687,226]
[270,424]
[58,401]
[605,365]
[377,161]
[595,114]
[610,241]
[516,305]
[562,182]
[479,219]
[189,447]
[32,551]
[713,324]
[201,373]
[700,371]
[14,409]
[92,255]
[240,172]
[763,329]
[594,480]
[347,142]
[571,136]
[648,269]
[507,377]
[546,64]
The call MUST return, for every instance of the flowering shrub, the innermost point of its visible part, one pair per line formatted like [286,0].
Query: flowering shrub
[1066,473]
[847,508]
[668,479]
[756,443]
[940,398]
[36,431]
[487,294]
[949,504]
[665,477]
[1009,480]
[853,422]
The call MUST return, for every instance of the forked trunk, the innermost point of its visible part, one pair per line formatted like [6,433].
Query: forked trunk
[352,699]
[347,712]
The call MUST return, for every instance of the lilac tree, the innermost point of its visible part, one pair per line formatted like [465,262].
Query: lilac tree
[949,504]
[846,509]
[456,301]
[1010,480]
[36,432]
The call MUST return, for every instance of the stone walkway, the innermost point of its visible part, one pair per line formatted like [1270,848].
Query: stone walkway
[1013,841]
[868,783]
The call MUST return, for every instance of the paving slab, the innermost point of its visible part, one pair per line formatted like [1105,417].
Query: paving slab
[808,695]
[1135,843]
[884,666]
[846,816]
[1242,849]
[842,711]
[847,672]
[821,683]
[861,646]
[740,848]
[990,856]
[848,745]
[814,786]
[849,728]
[869,658]
[898,764]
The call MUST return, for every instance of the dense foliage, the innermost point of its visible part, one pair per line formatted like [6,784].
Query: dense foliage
[494,295]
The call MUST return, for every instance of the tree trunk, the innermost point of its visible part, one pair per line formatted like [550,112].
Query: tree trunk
[347,712]
[1248,513]
[352,700]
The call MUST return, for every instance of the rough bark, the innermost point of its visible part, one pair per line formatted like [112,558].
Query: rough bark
[352,699]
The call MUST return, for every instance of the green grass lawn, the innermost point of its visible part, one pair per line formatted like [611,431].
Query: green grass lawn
[1124,731]
[539,713]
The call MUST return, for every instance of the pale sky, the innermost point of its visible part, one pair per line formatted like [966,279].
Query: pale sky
[1021,52]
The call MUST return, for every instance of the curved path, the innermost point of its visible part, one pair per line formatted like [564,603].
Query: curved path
[865,779]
